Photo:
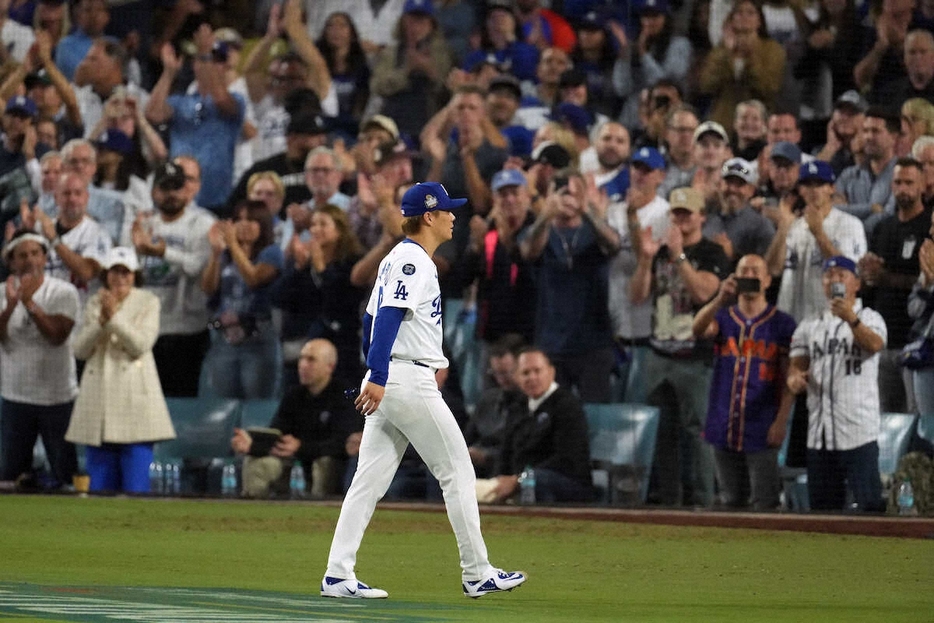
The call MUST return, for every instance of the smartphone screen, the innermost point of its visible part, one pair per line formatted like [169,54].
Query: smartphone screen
[837,290]
[747,284]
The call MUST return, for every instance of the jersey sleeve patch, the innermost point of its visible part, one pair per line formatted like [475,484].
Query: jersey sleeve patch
[408,269]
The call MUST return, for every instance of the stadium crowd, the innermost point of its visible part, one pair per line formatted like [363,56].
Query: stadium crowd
[720,208]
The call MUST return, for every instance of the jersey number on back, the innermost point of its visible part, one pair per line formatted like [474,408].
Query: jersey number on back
[401,293]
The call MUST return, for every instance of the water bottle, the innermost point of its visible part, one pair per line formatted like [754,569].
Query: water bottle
[156,478]
[906,499]
[527,486]
[173,478]
[229,480]
[297,481]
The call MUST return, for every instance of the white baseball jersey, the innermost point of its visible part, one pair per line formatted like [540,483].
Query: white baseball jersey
[632,321]
[843,384]
[409,279]
[87,239]
[32,370]
[802,292]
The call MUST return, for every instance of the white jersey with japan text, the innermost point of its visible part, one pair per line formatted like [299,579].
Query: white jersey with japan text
[843,380]
[408,279]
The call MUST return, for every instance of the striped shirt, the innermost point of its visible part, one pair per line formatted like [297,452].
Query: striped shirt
[747,383]
[843,380]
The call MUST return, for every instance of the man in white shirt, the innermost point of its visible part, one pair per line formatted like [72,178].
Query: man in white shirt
[642,209]
[16,38]
[98,75]
[105,206]
[173,248]
[37,365]
[807,237]
[835,359]
[77,242]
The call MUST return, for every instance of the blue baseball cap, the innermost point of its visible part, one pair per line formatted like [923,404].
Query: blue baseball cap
[115,140]
[428,197]
[816,170]
[841,261]
[418,6]
[592,20]
[508,177]
[650,157]
[576,117]
[23,105]
[786,150]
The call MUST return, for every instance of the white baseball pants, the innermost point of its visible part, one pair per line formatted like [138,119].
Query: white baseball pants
[413,411]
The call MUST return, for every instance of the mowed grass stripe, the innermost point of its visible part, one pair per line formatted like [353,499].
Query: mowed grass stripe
[579,570]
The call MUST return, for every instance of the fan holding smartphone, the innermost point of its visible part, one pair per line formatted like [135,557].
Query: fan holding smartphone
[748,410]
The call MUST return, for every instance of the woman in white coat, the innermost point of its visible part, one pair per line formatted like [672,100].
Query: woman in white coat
[120,411]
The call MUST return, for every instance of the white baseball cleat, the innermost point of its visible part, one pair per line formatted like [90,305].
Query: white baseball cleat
[350,589]
[497,581]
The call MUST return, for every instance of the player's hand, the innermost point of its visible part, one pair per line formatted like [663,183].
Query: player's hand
[287,446]
[797,380]
[505,487]
[776,434]
[241,441]
[368,400]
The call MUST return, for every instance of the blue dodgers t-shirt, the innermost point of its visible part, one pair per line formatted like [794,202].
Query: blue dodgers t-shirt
[237,297]
[198,129]
[617,187]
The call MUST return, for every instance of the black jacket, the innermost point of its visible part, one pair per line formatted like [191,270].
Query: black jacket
[553,437]
[322,423]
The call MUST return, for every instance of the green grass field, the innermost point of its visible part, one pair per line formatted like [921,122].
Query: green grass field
[579,570]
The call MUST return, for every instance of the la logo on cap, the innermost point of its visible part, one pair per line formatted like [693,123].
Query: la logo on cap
[644,152]
[430,202]
[812,168]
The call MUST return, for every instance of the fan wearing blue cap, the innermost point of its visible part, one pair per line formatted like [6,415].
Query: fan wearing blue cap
[402,336]
[505,283]
[19,115]
[835,362]
[809,232]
